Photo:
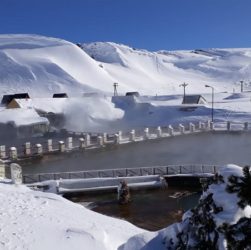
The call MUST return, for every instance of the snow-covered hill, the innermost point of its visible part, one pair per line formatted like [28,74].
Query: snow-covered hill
[162,72]
[43,65]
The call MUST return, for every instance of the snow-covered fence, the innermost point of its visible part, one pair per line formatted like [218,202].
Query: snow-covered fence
[87,141]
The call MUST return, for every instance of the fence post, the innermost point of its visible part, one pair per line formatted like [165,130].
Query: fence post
[245,126]
[104,138]
[211,126]
[228,126]
[81,142]
[201,125]
[116,139]
[170,130]
[208,124]
[61,146]
[181,129]
[191,127]
[16,173]
[132,136]
[39,149]
[159,132]
[2,151]
[146,133]
[87,140]
[100,141]
[180,169]
[2,169]
[214,169]
[13,153]
[69,143]
[120,135]
[50,149]
[27,148]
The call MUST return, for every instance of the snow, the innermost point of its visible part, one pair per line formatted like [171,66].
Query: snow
[36,220]
[43,65]
[21,117]
[231,214]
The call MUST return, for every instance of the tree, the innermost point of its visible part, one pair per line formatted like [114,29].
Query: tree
[241,186]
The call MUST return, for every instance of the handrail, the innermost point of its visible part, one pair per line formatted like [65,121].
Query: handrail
[111,173]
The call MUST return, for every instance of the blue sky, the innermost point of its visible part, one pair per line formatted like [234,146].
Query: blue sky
[148,24]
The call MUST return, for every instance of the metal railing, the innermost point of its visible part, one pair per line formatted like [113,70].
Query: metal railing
[123,172]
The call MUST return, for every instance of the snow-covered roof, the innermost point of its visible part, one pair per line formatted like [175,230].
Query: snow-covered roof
[22,117]
[54,105]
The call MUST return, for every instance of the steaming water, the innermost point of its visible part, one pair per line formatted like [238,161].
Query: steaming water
[151,209]
[209,148]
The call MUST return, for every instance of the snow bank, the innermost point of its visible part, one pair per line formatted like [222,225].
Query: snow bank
[35,220]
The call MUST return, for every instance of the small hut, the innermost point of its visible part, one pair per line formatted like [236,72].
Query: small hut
[194,99]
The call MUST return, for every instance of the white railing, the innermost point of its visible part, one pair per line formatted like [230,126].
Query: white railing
[87,141]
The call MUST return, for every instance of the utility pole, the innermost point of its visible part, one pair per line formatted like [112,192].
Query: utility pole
[184,86]
[115,85]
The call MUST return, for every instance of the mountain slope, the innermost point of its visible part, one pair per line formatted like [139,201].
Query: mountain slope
[163,71]
[43,65]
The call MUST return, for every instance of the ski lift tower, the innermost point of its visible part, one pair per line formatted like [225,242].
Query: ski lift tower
[115,85]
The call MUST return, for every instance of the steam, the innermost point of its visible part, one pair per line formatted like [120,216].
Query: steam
[96,114]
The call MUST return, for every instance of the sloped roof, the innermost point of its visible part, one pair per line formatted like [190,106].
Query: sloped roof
[22,117]
[8,98]
[54,105]
[60,95]
[192,99]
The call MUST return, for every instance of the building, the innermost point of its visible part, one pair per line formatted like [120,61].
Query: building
[22,122]
[132,94]
[194,99]
[8,98]
[49,108]
[60,95]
